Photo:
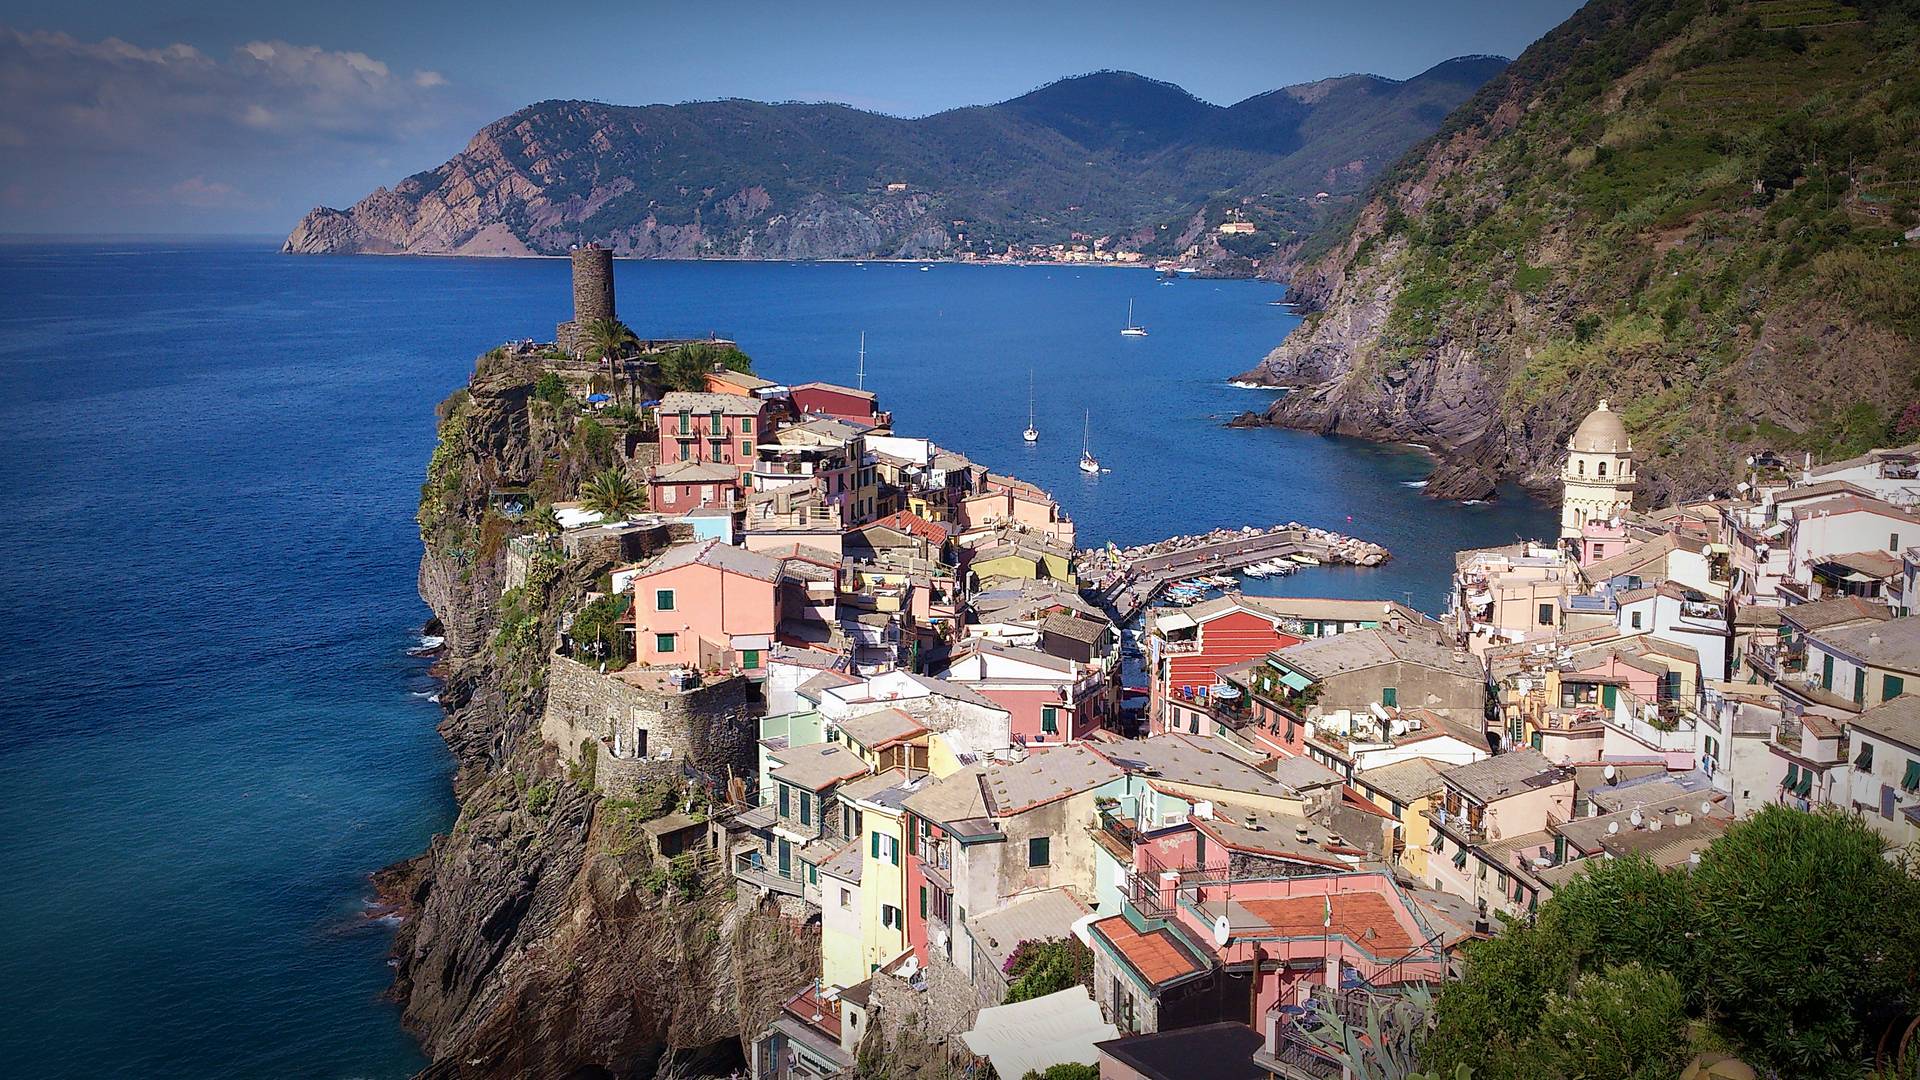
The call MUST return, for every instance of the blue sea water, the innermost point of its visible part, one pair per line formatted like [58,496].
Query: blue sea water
[211,729]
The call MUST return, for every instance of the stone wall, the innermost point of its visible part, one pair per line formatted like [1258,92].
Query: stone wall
[944,1009]
[715,727]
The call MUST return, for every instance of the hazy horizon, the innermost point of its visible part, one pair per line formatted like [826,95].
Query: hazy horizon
[214,118]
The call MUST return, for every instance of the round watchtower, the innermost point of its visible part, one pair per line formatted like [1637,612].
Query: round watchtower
[592,284]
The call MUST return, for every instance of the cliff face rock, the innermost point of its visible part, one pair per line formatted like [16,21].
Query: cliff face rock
[1109,153]
[1586,228]
[539,939]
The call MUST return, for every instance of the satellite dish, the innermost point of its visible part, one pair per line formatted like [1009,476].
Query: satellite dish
[1222,933]
[1608,772]
[1637,818]
[1706,806]
[1612,827]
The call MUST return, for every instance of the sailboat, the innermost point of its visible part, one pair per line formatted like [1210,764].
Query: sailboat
[1132,330]
[1088,463]
[1031,434]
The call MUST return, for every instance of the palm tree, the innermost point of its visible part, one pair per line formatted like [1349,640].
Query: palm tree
[612,495]
[544,521]
[609,339]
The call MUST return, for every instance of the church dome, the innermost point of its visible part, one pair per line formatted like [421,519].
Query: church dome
[1601,433]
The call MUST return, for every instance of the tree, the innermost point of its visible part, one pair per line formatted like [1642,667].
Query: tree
[544,521]
[607,339]
[1808,938]
[1628,1022]
[686,367]
[1039,968]
[1386,1046]
[597,633]
[611,495]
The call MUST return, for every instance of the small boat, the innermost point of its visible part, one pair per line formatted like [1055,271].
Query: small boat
[1032,434]
[1305,559]
[1131,330]
[1088,463]
[924,269]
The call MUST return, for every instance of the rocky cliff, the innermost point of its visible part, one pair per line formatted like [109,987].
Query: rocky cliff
[538,937]
[1692,209]
[1109,153]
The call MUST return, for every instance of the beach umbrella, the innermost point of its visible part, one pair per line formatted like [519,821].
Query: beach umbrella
[595,399]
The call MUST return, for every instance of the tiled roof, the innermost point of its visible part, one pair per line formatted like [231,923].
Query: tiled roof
[1176,759]
[1835,612]
[1404,781]
[1155,955]
[1074,627]
[701,402]
[1045,776]
[881,729]
[1515,771]
[1358,650]
[818,766]
[1892,644]
[956,797]
[1897,720]
[1366,917]
[1041,916]
[693,472]
[913,524]
[720,556]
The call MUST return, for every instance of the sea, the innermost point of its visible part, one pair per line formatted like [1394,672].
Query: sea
[216,718]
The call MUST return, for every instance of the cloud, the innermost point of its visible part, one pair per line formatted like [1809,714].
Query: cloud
[89,121]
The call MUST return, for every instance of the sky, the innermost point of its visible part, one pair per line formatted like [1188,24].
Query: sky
[237,116]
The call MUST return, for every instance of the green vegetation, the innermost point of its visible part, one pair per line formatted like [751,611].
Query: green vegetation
[550,388]
[1791,942]
[1071,1070]
[612,495]
[597,633]
[1039,968]
[607,339]
[685,367]
[1693,208]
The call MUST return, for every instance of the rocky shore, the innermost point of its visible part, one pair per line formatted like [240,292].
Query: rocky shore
[530,944]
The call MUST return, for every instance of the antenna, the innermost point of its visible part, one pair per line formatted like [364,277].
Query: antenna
[862,384]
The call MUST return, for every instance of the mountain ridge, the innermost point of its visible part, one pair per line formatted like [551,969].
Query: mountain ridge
[1103,154]
[1695,210]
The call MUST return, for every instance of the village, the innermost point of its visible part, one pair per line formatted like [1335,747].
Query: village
[1049,805]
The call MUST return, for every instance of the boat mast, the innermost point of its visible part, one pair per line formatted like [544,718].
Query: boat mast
[862,375]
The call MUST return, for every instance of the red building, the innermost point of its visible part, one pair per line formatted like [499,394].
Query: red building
[690,485]
[1191,645]
[721,429]
[929,881]
[839,402]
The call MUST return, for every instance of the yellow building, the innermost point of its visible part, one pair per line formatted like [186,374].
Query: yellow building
[842,963]
[883,888]
[1597,481]
[1407,789]
[1023,560]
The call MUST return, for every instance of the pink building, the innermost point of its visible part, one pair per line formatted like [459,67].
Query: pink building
[689,485]
[1003,500]
[1601,539]
[720,429]
[1050,700]
[707,606]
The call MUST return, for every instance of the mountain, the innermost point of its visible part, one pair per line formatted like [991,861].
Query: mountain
[1698,210]
[1111,153]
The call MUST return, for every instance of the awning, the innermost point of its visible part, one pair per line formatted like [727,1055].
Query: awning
[762,642]
[1036,1035]
[1179,620]
[1295,681]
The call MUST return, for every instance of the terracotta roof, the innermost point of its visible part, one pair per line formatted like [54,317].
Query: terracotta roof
[1155,955]
[1366,917]
[913,524]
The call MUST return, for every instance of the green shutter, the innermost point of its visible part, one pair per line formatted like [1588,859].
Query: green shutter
[893,850]
[1390,696]
[1826,671]
[1859,686]
[1793,775]
[786,805]
[1865,758]
[1049,720]
[923,901]
[876,846]
[1911,781]
[1609,696]
[1892,686]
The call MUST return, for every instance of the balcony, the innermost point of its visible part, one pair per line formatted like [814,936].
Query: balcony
[751,868]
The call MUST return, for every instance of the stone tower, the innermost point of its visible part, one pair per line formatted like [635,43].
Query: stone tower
[1597,482]
[592,294]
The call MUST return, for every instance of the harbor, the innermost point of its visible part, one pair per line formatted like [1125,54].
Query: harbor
[1183,568]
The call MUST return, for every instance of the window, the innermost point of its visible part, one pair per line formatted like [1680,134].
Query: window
[1199,848]
[686,421]
[1826,671]
[746,447]
[1546,614]
[667,494]
[1390,696]
[889,916]
[663,599]
[806,808]
[1892,686]
[1603,468]
[786,800]
[1635,620]
[893,850]
[1859,686]
[713,418]
[1893,542]
[1911,781]
[813,874]
[846,898]
[1580,466]
[746,425]
[923,901]
[749,659]
[666,643]
[1864,761]
[1049,720]
[1039,851]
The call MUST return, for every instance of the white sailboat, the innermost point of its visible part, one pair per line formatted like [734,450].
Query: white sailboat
[1032,434]
[1132,330]
[1088,463]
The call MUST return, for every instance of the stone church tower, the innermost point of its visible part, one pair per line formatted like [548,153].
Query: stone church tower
[1598,480]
